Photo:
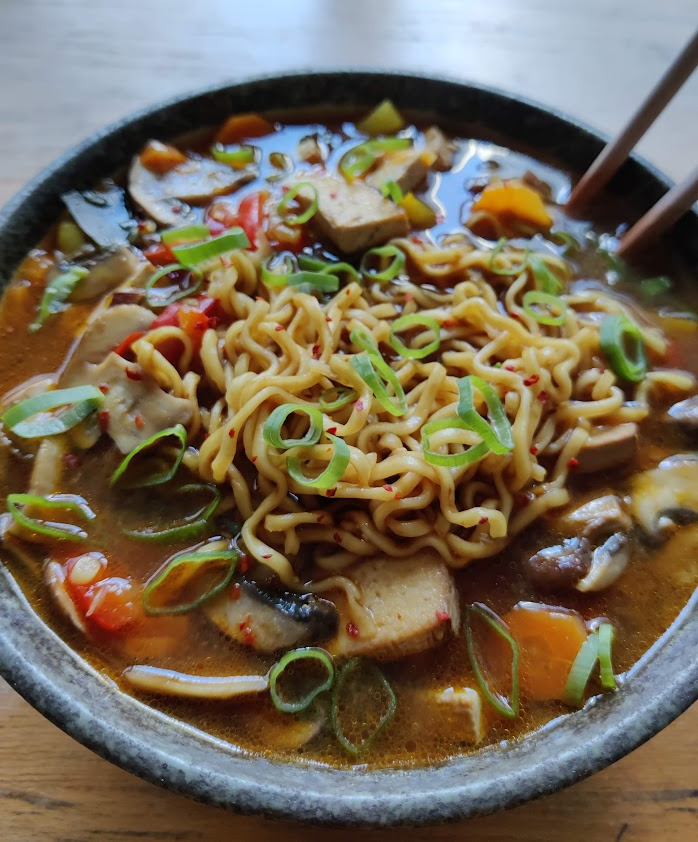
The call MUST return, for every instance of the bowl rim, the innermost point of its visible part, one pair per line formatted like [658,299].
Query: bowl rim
[74,696]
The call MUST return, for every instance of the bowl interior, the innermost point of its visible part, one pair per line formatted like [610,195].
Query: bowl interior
[87,705]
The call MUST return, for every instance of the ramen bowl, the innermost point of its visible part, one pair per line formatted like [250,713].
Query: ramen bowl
[89,707]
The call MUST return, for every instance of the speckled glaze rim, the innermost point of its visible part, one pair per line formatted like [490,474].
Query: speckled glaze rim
[90,708]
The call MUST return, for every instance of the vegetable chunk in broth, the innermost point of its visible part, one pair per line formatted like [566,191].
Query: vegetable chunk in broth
[332,435]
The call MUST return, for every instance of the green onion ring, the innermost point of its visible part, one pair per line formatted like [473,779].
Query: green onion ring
[376,373]
[336,397]
[56,294]
[617,332]
[66,502]
[606,634]
[194,255]
[234,156]
[300,218]
[566,240]
[154,301]
[393,269]
[546,280]
[185,234]
[498,436]
[315,264]
[507,708]
[281,162]
[359,160]
[83,400]
[392,190]
[275,421]
[351,667]
[179,433]
[193,526]
[309,653]
[312,263]
[332,473]
[361,337]
[275,279]
[450,460]
[410,321]
[581,671]
[313,281]
[550,302]
[501,242]
[174,566]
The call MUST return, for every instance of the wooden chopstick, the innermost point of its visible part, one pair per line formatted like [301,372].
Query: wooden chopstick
[615,153]
[661,215]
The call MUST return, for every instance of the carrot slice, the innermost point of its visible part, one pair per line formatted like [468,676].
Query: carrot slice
[549,639]
[514,199]
[161,157]
[242,127]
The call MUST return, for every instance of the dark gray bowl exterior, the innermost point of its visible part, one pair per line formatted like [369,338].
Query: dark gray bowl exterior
[88,706]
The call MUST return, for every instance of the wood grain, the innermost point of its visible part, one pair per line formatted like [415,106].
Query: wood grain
[68,67]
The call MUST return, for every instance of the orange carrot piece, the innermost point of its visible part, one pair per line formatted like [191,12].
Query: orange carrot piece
[242,127]
[513,198]
[161,157]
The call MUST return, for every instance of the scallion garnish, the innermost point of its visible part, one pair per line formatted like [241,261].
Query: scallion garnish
[315,264]
[185,234]
[282,163]
[392,190]
[194,525]
[271,275]
[546,280]
[653,287]
[623,346]
[606,634]
[336,398]
[566,240]
[519,267]
[272,426]
[298,218]
[391,271]
[165,593]
[359,160]
[450,460]
[581,671]
[545,308]
[195,255]
[80,401]
[313,281]
[497,434]
[235,156]
[55,295]
[302,702]
[312,263]
[332,473]
[177,432]
[355,679]
[507,707]
[194,277]
[64,502]
[413,320]
[376,373]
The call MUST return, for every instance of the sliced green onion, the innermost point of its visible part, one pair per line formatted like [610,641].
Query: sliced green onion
[501,242]
[581,671]
[342,268]
[309,653]
[80,400]
[298,218]
[336,398]
[497,434]
[332,473]
[411,321]
[193,256]
[312,263]
[384,119]
[273,278]
[606,634]
[550,304]
[178,432]
[359,160]
[653,287]
[153,300]
[178,574]
[623,346]
[546,280]
[569,243]
[194,525]
[314,281]
[364,340]
[508,708]
[353,669]
[55,295]
[185,234]
[274,423]
[391,271]
[376,373]
[234,156]
[281,162]
[64,502]
[450,460]
[392,190]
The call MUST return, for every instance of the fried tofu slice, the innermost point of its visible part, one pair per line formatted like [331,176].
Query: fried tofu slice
[414,604]
[407,168]
[460,709]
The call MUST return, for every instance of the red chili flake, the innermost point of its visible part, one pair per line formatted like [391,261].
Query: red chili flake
[320,518]
[103,388]
[267,556]
[254,458]
[206,435]
[279,327]
[533,449]
[231,432]
[573,462]
[132,374]
[416,239]
[328,320]
[244,563]
[249,636]
[398,496]
[333,195]
[409,296]
[139,421]
[308,396]
[331,430]
[532,380]
[352,631]
[337,538]
[443,616]
[348,292]
[449,323]
[103,418]
[359,406]
[543,396]
[484,519]
[388,488]
[331,492]
[177,208]
[71,460]
[510,367]
[259,298]
[602,371]
[316,352]
[237,590]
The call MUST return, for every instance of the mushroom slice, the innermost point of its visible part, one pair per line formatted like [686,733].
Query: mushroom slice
[108,271]
[666,496]
[607,563]
[101,214]
[685,414]
[608,448]
[560,566]
[268,620]
[597,518]
[164,196]
[54,576]
[172,683]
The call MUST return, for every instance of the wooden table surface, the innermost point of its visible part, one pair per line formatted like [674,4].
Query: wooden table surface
[68,67]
